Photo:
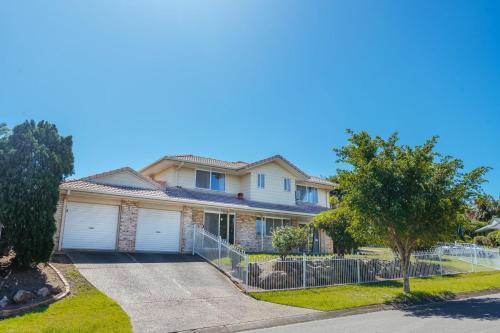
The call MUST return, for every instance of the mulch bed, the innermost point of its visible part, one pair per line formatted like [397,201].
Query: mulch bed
[12,280]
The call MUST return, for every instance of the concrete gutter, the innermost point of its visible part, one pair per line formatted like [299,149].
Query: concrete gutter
[253,325]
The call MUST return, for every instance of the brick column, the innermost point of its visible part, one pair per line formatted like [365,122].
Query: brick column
[127,226]
[327,243]
[245,232]
[190,217]
[58,217]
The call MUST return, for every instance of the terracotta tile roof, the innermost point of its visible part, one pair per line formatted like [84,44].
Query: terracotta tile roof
[208,161]
[88,186]
[319,180]
[187,195]
[120,170]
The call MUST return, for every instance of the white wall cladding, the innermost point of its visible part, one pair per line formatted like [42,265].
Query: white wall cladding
[90,226]
[273,191]
[247,184]
[158,230]
[323,198]
[168,175]
[124,179]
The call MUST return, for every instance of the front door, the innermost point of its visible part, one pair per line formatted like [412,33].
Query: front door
[220,224]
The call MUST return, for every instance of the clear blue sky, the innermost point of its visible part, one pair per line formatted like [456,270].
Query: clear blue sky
[241,80]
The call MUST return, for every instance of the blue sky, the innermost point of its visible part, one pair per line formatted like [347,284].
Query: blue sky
[241,80]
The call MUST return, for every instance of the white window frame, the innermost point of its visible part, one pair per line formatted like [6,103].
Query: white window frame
[287,181]
[264,225]
[307,192]
[219,213]
[210,180]
[261,180]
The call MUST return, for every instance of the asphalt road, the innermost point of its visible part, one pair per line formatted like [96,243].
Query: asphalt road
[480,314]
[169,292]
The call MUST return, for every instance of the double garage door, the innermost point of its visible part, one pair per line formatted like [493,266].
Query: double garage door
[95,227]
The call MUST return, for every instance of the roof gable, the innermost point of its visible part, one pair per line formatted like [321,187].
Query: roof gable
[126,177]
[238,167]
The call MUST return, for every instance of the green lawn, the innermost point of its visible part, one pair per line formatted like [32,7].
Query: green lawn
[349,296]
[85,310]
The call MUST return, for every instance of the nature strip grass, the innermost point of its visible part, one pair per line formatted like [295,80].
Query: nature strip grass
[350,296]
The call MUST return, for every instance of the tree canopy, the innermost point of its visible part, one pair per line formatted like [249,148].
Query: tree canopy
[407,196]
[34,161]
[337,225]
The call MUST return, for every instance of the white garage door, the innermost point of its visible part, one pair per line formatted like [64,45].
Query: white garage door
[90,226]
[157,230]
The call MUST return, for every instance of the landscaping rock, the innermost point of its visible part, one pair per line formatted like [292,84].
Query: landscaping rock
[55,290]
[22,296]
[4,301]
[43,292]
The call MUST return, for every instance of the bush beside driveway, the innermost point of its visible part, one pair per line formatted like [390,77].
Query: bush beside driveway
[86,309]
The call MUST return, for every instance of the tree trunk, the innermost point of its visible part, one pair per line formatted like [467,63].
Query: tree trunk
[405,263]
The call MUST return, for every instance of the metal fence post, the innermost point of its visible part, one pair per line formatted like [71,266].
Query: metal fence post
[440,262]
[219,239]
[304,270]
[359,273]
[471,261]
[247,267]
[194,237]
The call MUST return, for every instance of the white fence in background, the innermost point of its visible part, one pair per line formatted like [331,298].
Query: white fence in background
[311,272]
[477,256]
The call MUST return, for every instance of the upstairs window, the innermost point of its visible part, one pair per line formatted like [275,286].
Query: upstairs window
[287,184]
[210,180]
[261,180]
[306,194]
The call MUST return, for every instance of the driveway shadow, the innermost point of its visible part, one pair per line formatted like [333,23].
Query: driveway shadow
[476,308]
[93,257]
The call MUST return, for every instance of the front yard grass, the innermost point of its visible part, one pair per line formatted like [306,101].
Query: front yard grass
[349,296]
[86,309]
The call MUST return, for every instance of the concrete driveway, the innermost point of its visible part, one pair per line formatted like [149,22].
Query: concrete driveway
[168,293]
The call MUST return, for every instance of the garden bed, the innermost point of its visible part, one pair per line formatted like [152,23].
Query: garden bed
[38,284]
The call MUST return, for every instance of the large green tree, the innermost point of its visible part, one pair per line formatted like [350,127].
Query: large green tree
[337,225]
[35,159]
[407,196]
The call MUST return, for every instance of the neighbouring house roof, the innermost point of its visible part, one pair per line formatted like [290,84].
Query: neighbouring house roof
[241,166]
[126,170]
[494,225]
[182,195]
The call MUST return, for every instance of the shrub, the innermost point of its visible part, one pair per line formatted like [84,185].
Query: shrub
[482,240]
[336,224]
[288,238]
[494,238]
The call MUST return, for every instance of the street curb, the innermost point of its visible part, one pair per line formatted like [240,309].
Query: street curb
[266,323]
[17,311]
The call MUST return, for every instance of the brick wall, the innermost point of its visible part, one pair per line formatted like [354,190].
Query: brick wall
[189,217]
[326,243]
[58,221]
[246,233]
[127,226]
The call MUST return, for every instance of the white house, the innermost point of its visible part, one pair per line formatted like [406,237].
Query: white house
[155,209]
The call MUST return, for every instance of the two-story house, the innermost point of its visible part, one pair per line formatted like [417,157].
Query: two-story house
[155,209]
